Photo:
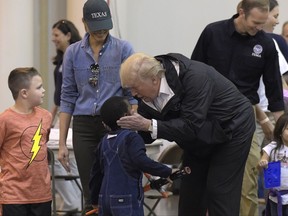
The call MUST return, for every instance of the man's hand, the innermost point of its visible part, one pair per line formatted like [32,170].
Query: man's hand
[134,122]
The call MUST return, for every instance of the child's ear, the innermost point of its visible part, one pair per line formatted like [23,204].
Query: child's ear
[106,126]
[23,93]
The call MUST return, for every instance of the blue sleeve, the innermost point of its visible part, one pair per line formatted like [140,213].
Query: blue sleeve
[69,93]
[127,50]
[137,153]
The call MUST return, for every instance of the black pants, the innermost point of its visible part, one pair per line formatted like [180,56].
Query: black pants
[35,209]
[87,132]
[273,209]
[216,176]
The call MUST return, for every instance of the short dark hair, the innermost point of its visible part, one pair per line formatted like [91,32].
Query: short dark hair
[248,5]
[20,78]
[113,109]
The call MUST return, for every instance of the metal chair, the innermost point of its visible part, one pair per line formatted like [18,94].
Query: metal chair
[51,161]
[171,155]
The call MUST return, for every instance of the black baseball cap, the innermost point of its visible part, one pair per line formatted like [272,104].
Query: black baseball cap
[97,15]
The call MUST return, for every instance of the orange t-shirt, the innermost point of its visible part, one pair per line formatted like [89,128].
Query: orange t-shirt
[24,170]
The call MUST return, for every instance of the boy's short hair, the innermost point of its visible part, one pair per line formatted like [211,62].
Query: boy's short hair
[20,78]
[113,109]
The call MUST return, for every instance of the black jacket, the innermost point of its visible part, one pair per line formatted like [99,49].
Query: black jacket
[207,109]
[243,59]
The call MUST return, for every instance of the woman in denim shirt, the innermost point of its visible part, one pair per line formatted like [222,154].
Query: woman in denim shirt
[90,76]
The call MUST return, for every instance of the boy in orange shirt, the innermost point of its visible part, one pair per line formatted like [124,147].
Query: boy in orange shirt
[25,187]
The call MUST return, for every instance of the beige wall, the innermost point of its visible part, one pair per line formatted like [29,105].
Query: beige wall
[74,13]
[16,42]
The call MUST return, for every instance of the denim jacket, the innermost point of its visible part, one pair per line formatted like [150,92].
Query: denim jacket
[78,97]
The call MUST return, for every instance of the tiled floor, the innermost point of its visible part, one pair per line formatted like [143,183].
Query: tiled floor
[166,207]
[169,207]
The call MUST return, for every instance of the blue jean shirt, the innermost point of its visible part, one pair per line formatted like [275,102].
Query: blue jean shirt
[78,97]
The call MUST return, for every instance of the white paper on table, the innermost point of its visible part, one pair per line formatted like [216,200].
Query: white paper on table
[54,138]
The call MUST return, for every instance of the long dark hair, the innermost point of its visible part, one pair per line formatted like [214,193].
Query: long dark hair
[65,26]
[280,126]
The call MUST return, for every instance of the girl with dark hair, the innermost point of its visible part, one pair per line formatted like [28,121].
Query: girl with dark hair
[277,150]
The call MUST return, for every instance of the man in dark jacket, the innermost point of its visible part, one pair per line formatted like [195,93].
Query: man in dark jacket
[204,113]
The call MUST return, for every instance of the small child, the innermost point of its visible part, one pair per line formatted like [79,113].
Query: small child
[25,186]
[277,150]
[116,178]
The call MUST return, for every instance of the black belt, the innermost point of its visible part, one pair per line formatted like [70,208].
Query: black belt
[86,116]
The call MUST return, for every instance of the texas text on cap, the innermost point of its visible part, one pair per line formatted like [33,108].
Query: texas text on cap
[97,15]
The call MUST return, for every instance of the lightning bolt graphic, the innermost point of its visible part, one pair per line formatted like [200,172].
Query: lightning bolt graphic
[36,143]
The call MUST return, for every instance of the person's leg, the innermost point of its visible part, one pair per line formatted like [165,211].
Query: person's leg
[259,134]
[249,195]
[260,139]
[39,209]
[87,132]
[192,199]
[285,210]
[14,209]
[274,209]
[262,142]
[224,181]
